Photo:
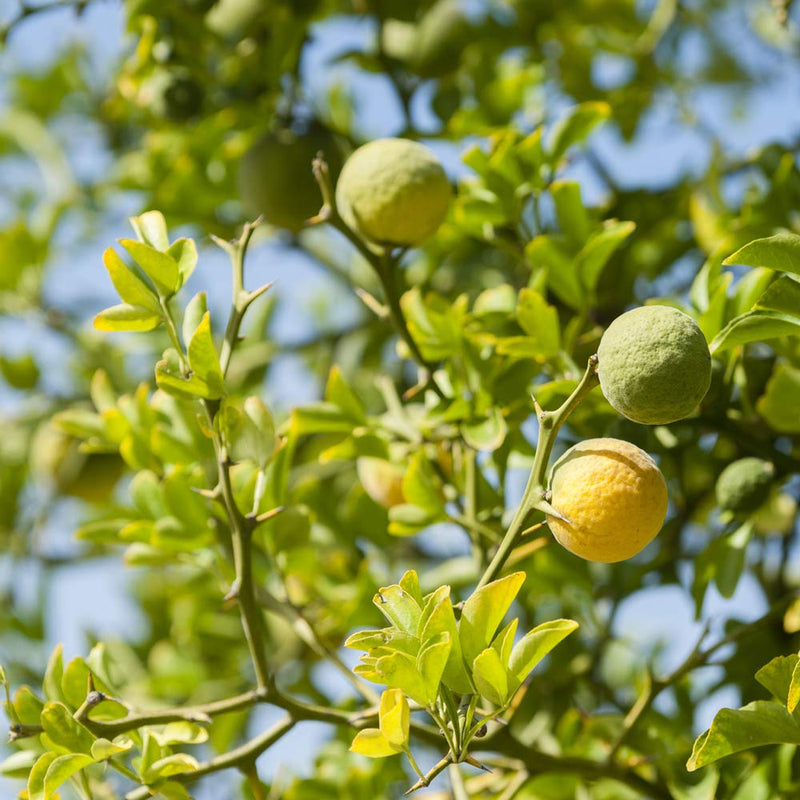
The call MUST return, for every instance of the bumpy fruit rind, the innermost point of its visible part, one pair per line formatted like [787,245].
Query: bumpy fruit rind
[613,497]
[744,485]
[654,365]
[393,192]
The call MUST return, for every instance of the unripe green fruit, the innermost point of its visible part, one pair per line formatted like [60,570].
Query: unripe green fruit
[56,459]
[744,485]
[441,36]
[394,192]
[173,94]
[654,365]
[275,177]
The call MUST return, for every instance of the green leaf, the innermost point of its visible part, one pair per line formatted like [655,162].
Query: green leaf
[160,267]
[420,487]
[780,403]
[63,733]
[193,315]
[203,358]
[399,670]
[540,321]
[781,295]
[18,765]
[399,607]
[730,559]
[485,434]
[575,126]
[181,732]
[776,676]
[27,706]
[490,676]
[552,252]
[484,610]
[176,764]
[37,776]
[431,662]
[75,682]
[407,519]
[171,379]
[394,717]
[504,641]
[410,583]
[53,675]
[437,618]
[371,743]
[732,731]
[535,645]
[573,221]
[320,418]
[151,228]
[130,287]
[184,252]
[780,252]
[596,253]
[344,398]
[126,317]
[793,697]
[755,326]
[103,749]
[62,769]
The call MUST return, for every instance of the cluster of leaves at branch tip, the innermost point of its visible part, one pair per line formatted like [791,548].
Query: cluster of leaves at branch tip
[429,657]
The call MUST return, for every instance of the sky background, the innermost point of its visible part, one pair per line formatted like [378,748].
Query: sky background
[92,597]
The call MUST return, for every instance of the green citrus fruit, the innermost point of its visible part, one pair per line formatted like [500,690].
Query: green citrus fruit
[394,192]
[744,485]
[275,177]
[654,365]
[441,36]
[613,499]
[57,460]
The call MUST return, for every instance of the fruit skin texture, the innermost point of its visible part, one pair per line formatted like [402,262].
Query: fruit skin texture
[275,177]
[614,497]
[393,191]
[744,485]
[654,365]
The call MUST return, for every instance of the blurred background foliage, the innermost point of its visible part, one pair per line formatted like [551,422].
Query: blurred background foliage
[683,149]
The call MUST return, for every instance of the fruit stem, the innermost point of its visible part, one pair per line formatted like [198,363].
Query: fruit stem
[384,265]
[534,495]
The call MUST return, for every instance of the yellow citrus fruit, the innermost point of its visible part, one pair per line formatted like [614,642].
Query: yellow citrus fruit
[654,365]
[394,192]
[613,496]
[276,180]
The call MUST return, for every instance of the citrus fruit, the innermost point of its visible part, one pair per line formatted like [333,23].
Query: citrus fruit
[744,485]
[393,191]
[275,177]
[612,496]
[382,480]
[654,364]
[441,36]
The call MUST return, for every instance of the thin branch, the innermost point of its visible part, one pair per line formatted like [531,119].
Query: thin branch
[697,658]
[534,496]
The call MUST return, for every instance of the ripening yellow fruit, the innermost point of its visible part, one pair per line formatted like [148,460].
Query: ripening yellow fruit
[394,192]
[613,496]
[382,480]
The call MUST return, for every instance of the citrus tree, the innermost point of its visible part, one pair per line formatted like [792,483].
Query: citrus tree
[535,390]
